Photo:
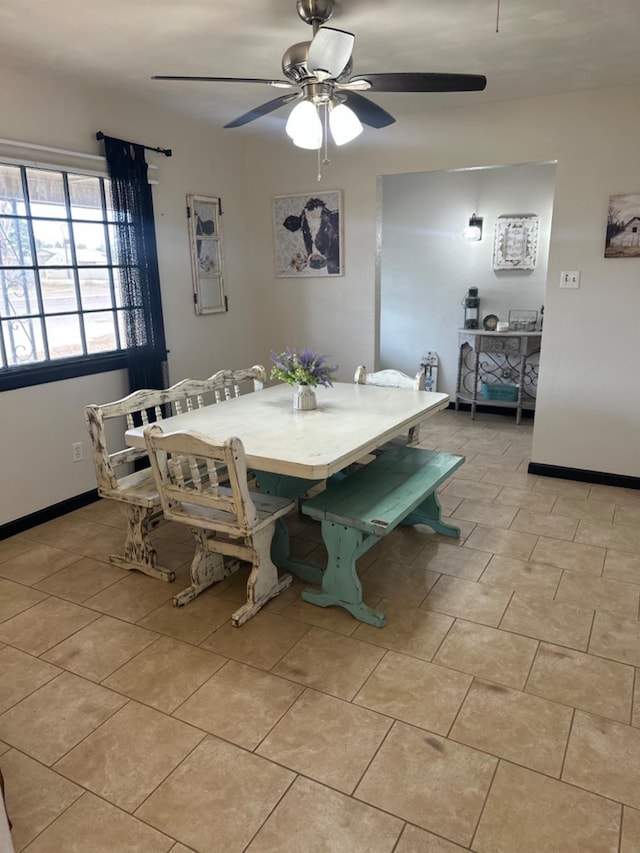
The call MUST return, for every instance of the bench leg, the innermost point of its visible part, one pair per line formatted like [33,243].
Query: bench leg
[207,568]
[340,582]
[429,512]
[263,582]
[139,553]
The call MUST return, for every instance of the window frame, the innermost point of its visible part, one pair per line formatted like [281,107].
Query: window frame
[29,374]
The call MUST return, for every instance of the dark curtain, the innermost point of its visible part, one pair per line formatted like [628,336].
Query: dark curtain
[138,259]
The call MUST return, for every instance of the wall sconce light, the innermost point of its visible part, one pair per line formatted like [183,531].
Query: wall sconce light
[473,232]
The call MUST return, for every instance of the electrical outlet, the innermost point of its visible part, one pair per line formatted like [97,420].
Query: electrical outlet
[76,450]
[570,278]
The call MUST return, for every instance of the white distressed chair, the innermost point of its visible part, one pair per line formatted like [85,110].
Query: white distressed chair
[224,385]
[228,520]
[136,491]
[394,379]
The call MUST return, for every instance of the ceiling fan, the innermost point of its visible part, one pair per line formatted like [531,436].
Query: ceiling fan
[320,73]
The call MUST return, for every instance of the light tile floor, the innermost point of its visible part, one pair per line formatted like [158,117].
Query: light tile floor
[495,711]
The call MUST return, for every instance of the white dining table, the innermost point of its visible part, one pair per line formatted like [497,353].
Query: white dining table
[291,450]
[350,421]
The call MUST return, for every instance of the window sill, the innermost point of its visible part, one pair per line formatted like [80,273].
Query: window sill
[39,374]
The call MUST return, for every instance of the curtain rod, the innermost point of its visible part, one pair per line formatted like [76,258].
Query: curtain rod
[166,151]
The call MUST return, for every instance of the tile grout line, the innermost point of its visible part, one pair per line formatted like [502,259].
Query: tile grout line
[305,689]
[484,804]
[457,714]
[35,690]
[620,831]
[385,737]
[187,698]
[441,643]
[566,747]
[593,622]
[405,824]
[529,671]
[296,776]
[83,793]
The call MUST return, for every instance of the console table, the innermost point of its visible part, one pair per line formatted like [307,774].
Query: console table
[505,358]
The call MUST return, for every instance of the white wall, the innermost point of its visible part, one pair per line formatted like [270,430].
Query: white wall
[588,413]
[39,424]
[426,265]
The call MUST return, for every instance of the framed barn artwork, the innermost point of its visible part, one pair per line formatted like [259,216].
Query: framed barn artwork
[308,235]
[623,227]
[515,242]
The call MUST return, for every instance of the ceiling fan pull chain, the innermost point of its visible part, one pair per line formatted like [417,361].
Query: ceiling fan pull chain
[325,131]
[326,160]
[498,18]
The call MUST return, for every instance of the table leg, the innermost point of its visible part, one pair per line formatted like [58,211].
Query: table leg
[288,487]
[340,582]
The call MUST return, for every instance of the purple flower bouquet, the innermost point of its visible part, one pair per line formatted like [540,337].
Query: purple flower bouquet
[302,368]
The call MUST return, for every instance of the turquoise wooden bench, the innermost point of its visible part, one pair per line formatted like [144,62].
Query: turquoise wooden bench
[398,487]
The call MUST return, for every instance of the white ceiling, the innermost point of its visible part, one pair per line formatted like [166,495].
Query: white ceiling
[543,47]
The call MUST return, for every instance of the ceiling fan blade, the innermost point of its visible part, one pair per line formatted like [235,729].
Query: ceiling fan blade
[368,112]
[423,82]
[279,84]
[329,52]
[263,109]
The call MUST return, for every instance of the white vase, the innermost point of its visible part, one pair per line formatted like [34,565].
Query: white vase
[304,399]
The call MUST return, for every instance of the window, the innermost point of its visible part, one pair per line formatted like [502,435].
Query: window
[62,312]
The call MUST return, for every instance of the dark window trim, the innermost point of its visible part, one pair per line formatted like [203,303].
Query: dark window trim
[41,373]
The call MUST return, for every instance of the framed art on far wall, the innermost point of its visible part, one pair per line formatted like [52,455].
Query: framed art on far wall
[515,242]
[623,227]
[308,235]
[207,257]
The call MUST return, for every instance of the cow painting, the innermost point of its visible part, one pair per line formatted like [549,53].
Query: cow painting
[308,235]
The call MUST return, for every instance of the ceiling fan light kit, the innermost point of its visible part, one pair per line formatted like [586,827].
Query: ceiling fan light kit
[344,123]
[304,126]
[320,71]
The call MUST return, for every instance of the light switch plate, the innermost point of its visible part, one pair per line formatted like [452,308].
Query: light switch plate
[570,278]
